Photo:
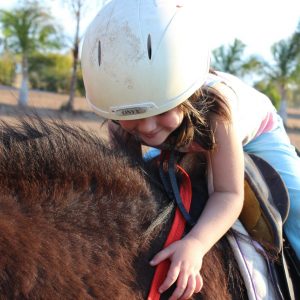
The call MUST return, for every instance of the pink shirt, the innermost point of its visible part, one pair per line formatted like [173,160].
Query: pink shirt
[267,124]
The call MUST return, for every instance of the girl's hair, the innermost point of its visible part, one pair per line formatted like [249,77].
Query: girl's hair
[196,126]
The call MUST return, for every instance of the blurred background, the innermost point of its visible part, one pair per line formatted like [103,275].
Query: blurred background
[40,43]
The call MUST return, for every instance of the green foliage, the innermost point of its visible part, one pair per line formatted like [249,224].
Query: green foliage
[282,72]
[271,90]
[28,28]
[280,79]
[231,59]
[50,71]
[7,69]
[228,58]
[286,54]
[295,85]
[80,84]
[285,59]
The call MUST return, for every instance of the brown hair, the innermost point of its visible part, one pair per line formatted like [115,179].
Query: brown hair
[196,126]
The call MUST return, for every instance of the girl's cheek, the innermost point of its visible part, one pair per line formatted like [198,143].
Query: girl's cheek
[176,119]
[127,125]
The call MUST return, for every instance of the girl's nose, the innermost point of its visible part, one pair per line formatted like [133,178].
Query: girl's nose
[146,125]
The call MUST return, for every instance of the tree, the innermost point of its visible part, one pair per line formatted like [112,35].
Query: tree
[27,29]
[285,54]
[270,89]
[77,8]
[7,68]
[231,59]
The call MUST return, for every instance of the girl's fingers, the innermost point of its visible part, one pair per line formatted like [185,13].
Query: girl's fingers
[181,270]
[181,286]
[170,279]
[199,283]
[190,288]
[161,256]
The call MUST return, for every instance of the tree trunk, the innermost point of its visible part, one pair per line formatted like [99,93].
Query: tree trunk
[23,92]
[70,104]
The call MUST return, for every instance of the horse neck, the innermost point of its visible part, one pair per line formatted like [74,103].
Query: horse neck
[217,263]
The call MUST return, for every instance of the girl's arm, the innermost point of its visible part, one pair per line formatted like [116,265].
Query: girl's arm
[221,211]
[225,203]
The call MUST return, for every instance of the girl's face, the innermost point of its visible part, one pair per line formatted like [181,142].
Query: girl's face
[154,130]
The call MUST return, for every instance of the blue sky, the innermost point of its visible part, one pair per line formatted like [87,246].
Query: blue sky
[258,23]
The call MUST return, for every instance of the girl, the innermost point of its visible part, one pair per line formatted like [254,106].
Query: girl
[146,65]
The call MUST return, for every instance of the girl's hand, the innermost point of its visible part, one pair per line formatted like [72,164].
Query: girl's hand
[186,261]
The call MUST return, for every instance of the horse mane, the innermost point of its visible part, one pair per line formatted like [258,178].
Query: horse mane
[57,200]
[72,228]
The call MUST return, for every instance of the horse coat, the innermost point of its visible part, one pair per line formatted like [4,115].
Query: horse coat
[73,227]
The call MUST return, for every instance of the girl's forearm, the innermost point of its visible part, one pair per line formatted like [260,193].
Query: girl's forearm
[219,214]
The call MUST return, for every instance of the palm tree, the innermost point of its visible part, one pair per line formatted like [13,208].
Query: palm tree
[27,29]
[286,55]
[231,59]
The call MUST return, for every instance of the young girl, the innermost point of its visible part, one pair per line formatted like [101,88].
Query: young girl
[146,65]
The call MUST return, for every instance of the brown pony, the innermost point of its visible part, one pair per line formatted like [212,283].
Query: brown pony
[79,220]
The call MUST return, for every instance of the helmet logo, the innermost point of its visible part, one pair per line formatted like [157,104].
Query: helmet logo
[131,110]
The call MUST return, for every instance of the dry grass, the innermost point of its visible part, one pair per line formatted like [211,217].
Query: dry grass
[48,105]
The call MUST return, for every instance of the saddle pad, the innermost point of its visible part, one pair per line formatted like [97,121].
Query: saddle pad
[252,265]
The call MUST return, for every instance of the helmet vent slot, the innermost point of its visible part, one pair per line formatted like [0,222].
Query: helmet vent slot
[149,46]
[99,53]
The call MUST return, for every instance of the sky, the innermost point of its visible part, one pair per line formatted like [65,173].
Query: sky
[257,23]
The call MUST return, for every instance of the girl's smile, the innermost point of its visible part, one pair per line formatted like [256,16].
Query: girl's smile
[154,130]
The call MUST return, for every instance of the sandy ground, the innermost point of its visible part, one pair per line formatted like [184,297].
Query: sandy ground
[48,105]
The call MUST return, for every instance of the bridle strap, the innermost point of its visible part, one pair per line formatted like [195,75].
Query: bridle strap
[171,186]
[176,232]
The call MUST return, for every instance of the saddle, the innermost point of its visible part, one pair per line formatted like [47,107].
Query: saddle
[266,203]
[266,207]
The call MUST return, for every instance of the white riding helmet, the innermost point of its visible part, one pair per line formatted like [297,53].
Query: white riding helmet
[143,57]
